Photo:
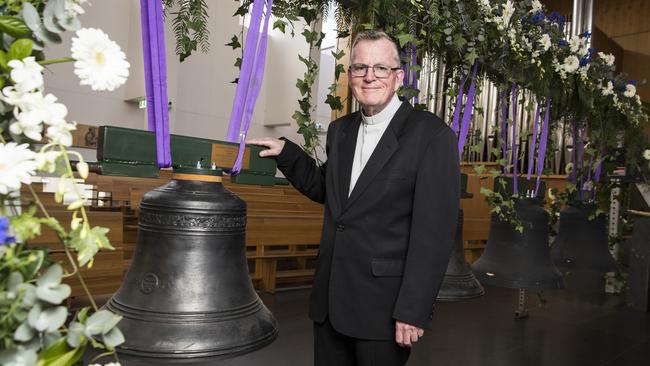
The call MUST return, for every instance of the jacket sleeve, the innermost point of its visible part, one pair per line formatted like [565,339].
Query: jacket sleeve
[302,170]
[433,225]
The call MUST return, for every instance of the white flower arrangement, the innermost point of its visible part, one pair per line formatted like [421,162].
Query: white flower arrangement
[33,117]
[571,64]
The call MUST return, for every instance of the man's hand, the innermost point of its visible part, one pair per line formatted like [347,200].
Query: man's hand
[407,334]
[274,146]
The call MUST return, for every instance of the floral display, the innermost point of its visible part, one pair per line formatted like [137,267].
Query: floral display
[35,134]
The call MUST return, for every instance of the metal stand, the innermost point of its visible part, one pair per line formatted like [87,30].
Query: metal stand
[521,312]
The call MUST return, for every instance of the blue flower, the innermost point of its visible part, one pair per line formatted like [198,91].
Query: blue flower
[584,61]
[633,82]
[586,34]
[4,229]
[538,17]
[563,42]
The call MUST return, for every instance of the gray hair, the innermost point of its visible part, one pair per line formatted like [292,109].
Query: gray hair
[375,35]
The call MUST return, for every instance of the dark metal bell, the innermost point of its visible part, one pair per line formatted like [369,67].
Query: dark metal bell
[581,243]
[187,297]
[519,260]
[459,282]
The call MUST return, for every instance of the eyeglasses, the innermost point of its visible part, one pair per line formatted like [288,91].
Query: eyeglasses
[380,71]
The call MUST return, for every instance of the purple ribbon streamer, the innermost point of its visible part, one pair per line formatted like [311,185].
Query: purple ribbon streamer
[254,90]
[599,168]
[541,152]
[580,153]
[504,131]
[467,112]
[248,58]
[407,77]
[155,75]
[459,100]
[574,152]
[414,62]
[513,95]
[531,151]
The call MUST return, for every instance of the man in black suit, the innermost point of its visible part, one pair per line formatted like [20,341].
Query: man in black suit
[391,192]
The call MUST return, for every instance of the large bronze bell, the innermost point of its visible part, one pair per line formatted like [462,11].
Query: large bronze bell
[187,297]
[519,260]
[459,282]
[582,243]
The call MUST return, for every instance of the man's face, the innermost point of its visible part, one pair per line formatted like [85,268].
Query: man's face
[374,93]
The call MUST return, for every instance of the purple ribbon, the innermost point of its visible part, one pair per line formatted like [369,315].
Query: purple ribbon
[541,152]
[531,151]
[467,112]
[414,62]
[574,152]
[599,167]
[513,96]
[250,81]
[504,131]
[155,76]
[459,100]
[407,77]
[580,152]
[241,92]
[254,91]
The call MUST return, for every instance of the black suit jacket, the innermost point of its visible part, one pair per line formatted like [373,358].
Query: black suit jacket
[384,250]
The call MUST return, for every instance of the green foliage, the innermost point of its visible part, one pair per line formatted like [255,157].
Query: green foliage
[190,25]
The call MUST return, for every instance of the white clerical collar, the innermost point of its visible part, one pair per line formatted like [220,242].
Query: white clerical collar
[385,115]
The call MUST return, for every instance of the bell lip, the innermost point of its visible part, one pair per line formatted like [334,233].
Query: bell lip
[216,172]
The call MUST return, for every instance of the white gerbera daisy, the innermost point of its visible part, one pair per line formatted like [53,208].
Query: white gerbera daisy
[17,165]
[26,74]
[100,61]
[571,64]
[545,41]
[630,90]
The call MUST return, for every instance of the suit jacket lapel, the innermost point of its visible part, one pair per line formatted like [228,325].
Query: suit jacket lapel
[387,146]
[346,147]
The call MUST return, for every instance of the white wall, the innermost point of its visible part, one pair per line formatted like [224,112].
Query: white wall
[199,88]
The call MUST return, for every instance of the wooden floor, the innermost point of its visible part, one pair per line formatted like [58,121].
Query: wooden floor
[575,328]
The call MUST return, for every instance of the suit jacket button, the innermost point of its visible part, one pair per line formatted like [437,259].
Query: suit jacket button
[340,227]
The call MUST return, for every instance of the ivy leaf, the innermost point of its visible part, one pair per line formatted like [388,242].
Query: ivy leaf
[338,70]
[334,102]
[238,62]
[479,169]
[302,86]
[280,24]
[405,38]
[234,43]
[338,55]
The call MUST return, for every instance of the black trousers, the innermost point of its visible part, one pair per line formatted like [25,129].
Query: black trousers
[332,348]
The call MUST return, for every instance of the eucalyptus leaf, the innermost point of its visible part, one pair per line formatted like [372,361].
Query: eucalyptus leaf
[113,338]
[48,18]
[69,23]
[75,334]
[47,320]
[101,322]
[29,294]
[51,277]
[33,21]
[24,332]
[20,356]
[53,294]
